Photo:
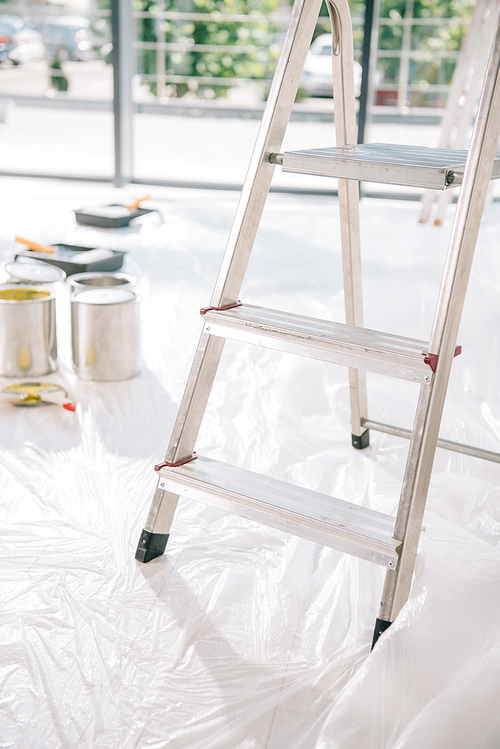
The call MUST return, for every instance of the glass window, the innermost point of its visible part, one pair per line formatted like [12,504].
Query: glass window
[56,90]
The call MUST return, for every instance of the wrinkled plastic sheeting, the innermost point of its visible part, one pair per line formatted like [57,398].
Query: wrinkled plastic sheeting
[242,636]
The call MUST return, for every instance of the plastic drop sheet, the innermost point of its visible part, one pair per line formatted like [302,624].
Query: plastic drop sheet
[240,636]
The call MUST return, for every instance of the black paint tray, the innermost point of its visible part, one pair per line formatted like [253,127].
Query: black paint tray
[70,258]
[98,217]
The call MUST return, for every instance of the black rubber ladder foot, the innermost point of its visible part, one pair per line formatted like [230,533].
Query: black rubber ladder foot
[380,626]
[150,546]
[361,441]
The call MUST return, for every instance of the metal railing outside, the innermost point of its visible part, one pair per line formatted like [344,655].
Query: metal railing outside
[175,52]
[175,60]
[406,77]
[402,70]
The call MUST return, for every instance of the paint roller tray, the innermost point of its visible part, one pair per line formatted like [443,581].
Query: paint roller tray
[109,216]
[75,259]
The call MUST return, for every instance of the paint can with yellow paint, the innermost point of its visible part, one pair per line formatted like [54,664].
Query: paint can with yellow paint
[28,343]
[105,333]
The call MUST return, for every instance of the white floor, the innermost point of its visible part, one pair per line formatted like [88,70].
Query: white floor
[242,637]
[190,149]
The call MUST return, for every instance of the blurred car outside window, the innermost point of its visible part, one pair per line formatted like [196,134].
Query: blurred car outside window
[317,75]
[18,42]
[67,38]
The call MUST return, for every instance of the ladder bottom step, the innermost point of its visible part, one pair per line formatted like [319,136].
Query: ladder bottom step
[347,527]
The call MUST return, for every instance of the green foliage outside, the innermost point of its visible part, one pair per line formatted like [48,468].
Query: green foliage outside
[257,64]
[429,40]
[266,36]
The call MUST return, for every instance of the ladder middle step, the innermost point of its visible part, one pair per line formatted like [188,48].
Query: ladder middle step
[359,348]
[332,522]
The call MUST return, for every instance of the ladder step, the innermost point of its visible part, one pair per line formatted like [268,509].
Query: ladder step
[332,522]
[355,347]
[415,166]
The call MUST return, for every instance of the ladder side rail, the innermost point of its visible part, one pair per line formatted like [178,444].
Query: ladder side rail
[473,92]
[457,88]
[471,47]
[240,242]
[246,223]
[470,207]
[269,140]
[443,338]
[348,191]
[461,139]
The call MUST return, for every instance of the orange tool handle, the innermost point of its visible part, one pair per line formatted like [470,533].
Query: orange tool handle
[132,206]
[36,247]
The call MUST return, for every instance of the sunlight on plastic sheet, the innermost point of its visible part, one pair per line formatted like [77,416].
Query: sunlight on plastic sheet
[240,636]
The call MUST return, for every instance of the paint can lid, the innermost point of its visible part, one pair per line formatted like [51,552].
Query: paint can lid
[106,295]
[35,272]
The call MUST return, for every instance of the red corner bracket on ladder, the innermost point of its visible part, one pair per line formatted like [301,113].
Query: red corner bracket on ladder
[204,310]
[159,466]
[432,359]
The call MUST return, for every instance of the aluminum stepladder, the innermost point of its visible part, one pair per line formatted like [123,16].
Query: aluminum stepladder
[382,539]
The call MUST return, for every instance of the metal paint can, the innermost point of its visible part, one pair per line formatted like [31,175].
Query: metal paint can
[105,333]
[81,281]
[28,343]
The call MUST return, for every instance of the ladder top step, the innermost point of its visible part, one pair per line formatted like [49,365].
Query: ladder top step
[415,166]
[332,522]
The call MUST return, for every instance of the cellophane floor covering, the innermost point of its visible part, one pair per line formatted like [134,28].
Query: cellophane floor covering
[240,636]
